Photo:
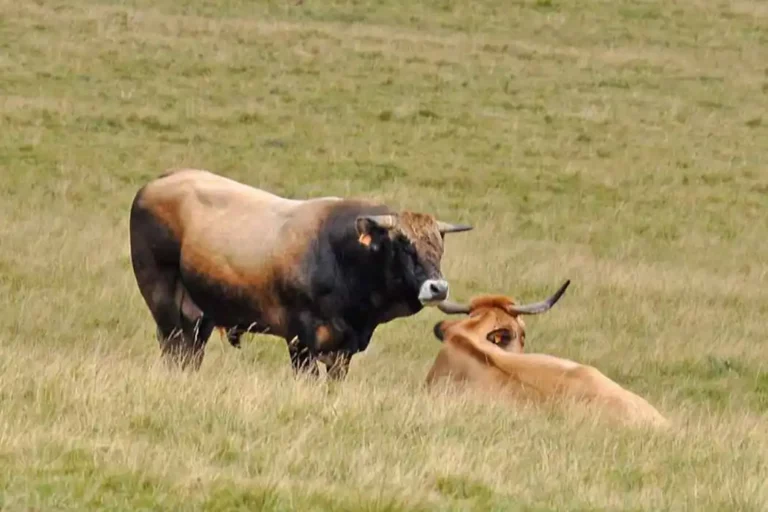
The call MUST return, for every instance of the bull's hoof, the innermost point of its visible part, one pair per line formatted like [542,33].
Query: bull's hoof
[234,338]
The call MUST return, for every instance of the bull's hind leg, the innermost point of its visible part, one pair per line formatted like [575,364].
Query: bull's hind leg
[183,342]
[182,329]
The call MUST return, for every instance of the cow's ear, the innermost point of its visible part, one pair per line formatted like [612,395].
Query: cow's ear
[441,327]
[438,330]
[369,225]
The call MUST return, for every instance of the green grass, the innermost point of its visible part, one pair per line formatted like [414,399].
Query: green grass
[619,144]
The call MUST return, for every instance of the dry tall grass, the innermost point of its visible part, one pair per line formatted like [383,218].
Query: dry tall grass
[617,144]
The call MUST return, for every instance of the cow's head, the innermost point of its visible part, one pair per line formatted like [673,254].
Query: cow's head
[412,247]
[496,318]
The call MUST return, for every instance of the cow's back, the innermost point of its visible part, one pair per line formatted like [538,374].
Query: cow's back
[538,378]
[545,377]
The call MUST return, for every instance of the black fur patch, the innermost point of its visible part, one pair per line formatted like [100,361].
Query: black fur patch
[228,306]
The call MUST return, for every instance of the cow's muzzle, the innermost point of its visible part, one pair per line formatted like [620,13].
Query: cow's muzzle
[433,291]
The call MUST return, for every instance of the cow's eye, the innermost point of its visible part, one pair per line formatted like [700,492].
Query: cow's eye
[501,336]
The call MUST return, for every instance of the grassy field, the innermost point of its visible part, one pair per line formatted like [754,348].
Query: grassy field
[620,144]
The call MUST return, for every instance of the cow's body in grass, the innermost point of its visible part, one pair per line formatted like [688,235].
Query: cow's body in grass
[486,351]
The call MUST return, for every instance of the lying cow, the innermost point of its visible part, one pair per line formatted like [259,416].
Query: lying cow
[486,350]
[321,273]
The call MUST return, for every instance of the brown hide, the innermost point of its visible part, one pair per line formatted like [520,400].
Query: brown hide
[469,358]
[234,234]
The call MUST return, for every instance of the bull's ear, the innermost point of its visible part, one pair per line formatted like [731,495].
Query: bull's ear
[367,225]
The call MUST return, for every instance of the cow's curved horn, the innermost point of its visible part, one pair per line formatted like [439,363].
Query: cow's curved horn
[445,227]
[452,308]
[538,307]
[383,221]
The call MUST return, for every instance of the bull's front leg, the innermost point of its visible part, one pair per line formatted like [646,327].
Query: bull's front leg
[303,361]
[337,364]
[302,346]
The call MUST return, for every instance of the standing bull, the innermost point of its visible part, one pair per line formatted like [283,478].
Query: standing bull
[321,273]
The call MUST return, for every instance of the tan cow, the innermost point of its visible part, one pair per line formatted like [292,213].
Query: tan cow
[486,351]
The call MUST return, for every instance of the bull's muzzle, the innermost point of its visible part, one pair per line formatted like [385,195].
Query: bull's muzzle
[433,291]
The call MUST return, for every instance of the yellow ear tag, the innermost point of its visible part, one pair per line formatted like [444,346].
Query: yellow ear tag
[365,239]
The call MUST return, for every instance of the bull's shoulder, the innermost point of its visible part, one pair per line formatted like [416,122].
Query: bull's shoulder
[260,237]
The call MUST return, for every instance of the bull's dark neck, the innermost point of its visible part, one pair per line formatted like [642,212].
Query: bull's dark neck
[353,286]
[342,264]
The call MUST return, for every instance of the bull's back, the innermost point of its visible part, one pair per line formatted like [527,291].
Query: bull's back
[190,199]
[213,214]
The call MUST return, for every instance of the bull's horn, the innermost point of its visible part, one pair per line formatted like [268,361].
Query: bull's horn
[538,307]
[383,221]
[445,227]
[452,308]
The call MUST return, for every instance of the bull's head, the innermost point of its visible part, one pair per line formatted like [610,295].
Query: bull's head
[414,246]
[496,318]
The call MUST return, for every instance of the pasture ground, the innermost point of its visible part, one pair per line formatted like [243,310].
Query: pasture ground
[620,144]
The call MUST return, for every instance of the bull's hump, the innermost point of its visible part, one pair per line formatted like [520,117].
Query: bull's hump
[207,209]
[215,191]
